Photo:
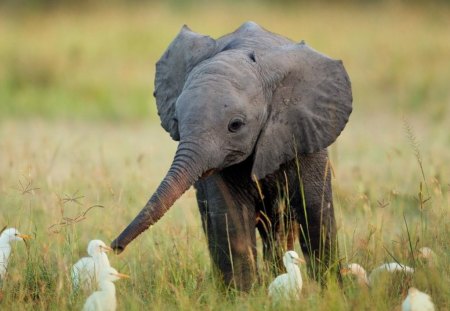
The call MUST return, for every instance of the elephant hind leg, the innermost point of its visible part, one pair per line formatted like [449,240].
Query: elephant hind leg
[318,234]
[292,235]
[272,253]
[278,236]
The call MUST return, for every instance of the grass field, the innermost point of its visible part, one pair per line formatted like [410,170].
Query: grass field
[79,133]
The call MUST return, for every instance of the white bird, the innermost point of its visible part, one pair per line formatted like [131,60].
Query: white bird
[358,271]
[288,285]
[86,271]
[7,236]
[361,274]
[105,298]
[428,256]
[391,267]
[417,301]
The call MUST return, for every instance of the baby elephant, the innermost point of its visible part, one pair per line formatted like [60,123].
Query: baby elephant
[253,113]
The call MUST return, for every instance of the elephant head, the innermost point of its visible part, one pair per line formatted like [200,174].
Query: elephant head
[251,93]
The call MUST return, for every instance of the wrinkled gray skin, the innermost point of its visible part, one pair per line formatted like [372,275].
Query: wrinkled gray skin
[253,113]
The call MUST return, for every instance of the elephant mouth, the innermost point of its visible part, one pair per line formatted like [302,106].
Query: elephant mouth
[208,173]
[234,156]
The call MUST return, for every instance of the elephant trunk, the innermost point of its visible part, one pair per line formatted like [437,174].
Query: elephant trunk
[184,171]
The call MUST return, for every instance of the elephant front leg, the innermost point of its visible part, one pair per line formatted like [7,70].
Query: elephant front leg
[230,230]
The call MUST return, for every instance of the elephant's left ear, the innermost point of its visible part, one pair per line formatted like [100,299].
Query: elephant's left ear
[311,101]
[185,52]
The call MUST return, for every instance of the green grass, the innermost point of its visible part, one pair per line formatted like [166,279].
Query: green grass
[77,121]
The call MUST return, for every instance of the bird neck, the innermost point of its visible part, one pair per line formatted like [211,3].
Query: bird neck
[4,241]
[5,250]
[294,273]
[102,259]
[108,287]
[107,295]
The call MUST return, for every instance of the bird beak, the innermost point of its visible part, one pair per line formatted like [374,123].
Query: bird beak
[24,236]
[345,271]
[123,276]
[299,261]
[106,248]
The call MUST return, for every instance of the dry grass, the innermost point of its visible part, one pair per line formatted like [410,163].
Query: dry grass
[69,80]
[56,170]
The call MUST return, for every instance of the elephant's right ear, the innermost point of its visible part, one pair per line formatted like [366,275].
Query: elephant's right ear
[186,51]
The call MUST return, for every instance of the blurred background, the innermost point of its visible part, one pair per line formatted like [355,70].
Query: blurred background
[95,60]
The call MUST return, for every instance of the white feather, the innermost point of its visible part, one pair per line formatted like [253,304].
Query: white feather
[287,286]
[390,267]
[105,298]
[361,274]
[9,235]
[358,271]
[86,271]
[428,256]
[417,301]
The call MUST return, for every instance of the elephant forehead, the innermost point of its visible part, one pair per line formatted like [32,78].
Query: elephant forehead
[208,99]
[229,69]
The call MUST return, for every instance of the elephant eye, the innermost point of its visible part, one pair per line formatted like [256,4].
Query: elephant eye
[235,124]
